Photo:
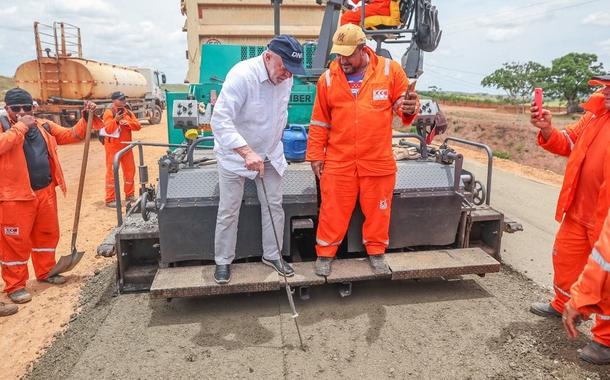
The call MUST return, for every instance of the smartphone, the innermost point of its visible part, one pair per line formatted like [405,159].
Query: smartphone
[411,87]
[538,100]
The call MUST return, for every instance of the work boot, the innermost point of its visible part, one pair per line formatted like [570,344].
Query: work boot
[130,199]
[378,264]
[277,265]
[544,309]
[111,204]
[323,266]
[20,296]
[55,280]
[222,274]
[595,353]
[6,310]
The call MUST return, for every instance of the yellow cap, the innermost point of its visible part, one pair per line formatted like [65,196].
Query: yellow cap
[347,38]
[191,134]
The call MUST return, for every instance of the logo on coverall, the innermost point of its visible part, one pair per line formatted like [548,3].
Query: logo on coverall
[11,231]
[383,204]
[380,94]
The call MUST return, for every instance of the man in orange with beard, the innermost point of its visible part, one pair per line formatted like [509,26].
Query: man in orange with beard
[581,208]
[350,144]
[28,205]
[119,122]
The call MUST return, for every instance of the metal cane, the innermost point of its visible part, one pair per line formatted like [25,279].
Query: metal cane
[279,249]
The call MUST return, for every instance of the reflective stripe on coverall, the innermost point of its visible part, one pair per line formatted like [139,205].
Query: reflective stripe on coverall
[353,136]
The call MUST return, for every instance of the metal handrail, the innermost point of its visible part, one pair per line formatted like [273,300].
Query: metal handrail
[191,149]
[115,169]
[489,161]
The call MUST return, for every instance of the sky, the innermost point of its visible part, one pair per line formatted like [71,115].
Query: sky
[478,35]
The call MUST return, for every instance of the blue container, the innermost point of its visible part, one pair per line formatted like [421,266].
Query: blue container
[295,142]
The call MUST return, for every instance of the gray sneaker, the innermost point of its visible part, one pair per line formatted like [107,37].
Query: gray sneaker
[55,280]
[595,353]
[323,266]
[111,204]
[6,310]
[379,265]
[544,309]
[20,296]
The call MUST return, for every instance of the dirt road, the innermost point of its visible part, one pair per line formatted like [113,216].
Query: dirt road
[472,328]
[476,328]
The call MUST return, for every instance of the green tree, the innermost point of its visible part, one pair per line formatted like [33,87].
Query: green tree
[569,76]
[517,79]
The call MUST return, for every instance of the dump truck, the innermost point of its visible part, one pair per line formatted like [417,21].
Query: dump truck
[59,79]
[442,221]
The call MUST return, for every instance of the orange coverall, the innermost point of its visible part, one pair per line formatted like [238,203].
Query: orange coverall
[113,145]
[581,208]
[353,136]
[591,292]
[372,8]
[28,218]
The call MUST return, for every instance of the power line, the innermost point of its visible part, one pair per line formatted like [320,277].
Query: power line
[456,70]
[455,80]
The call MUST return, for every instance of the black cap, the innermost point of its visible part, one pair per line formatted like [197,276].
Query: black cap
[117,95]
[291,52]
[17,96]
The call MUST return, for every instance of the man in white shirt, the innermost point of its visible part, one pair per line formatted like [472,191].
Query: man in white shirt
[248,121]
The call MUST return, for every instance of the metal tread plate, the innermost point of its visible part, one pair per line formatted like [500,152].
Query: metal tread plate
[441,263]
[257,277]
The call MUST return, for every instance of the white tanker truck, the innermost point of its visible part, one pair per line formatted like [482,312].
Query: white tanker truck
[59,79]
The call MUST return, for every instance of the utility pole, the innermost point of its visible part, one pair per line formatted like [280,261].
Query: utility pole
[276,16]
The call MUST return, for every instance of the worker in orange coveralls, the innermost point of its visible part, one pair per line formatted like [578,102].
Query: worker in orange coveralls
[591,292]
[28,205]
[350,144]
[372,8]
[581,208]
[119,122]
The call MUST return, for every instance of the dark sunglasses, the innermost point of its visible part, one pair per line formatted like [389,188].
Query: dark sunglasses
[19,107]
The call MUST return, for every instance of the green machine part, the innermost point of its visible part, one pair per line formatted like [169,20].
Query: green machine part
[217,60]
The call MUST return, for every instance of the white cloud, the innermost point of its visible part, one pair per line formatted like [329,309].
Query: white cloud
[598,19]
[8,11]
[502,34]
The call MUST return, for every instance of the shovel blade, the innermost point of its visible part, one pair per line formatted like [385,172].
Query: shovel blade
[66,263]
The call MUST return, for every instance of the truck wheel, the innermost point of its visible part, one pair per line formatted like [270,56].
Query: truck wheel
[156,115]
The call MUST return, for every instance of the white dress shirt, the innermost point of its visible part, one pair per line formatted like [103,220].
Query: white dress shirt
[250,111]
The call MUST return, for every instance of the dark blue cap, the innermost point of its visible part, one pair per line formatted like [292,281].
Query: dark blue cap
[16,96]
[291,52]
[117,95]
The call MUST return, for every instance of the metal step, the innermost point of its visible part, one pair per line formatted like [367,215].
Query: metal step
[198,280]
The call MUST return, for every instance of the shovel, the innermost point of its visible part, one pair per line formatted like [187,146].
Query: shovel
[66,263]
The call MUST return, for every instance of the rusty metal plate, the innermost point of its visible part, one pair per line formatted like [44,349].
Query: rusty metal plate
[348,270]
[441,263]
[199,281]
